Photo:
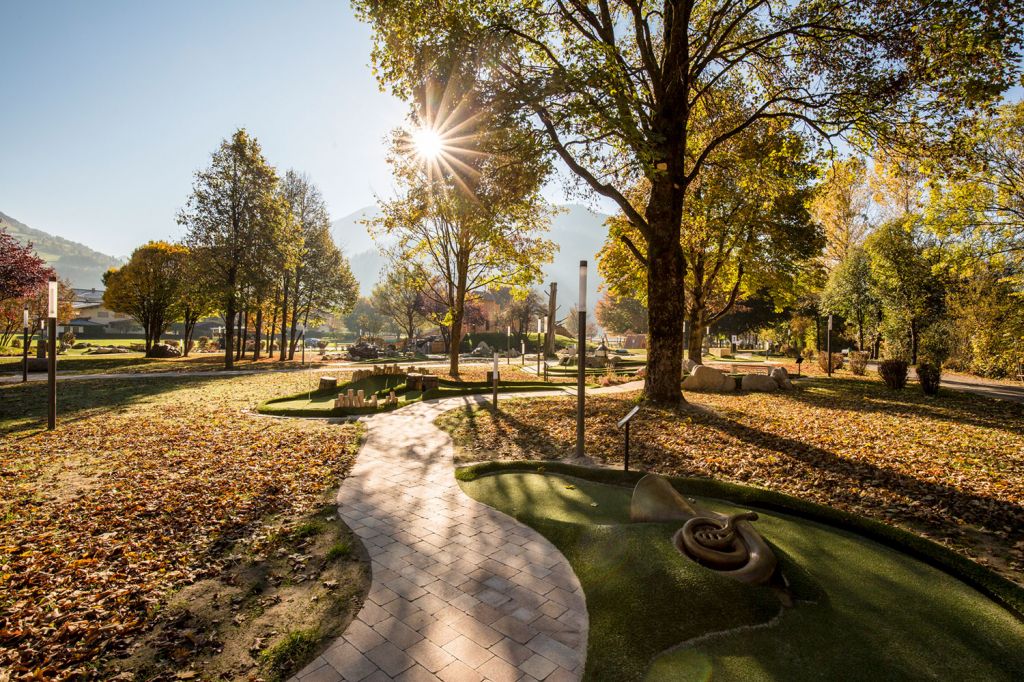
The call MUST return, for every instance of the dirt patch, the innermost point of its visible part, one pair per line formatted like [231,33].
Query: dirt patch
[283,595]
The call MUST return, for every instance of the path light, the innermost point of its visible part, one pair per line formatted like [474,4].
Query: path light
[51,366]
[494,378]
[581,364]
[508,346]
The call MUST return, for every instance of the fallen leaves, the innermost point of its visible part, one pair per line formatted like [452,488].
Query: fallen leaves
[166,476]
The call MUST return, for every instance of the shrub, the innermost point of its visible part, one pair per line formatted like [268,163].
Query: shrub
[174,343]
[929,376]
[893,373]
[203,342]
[322,344]
[16,343]
[837,361]
[859,362]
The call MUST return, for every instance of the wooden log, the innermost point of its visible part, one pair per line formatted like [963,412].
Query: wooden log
[328,383]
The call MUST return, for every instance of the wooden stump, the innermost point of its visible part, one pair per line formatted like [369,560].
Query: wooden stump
[328,383]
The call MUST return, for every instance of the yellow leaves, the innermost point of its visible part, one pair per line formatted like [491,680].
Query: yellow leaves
[170,477]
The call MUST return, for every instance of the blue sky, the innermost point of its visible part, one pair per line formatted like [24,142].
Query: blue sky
[109,107]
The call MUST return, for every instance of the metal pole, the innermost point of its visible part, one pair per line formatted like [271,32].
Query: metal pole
[523,354]
[494,379]
[626,463]
[24,349]
[828,346]
[508,346]
[581,360]
[302,338]
[51,420]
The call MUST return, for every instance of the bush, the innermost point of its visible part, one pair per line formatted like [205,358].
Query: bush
[894,373]
[16,343]
[203,342]
[929,376]
[859,362]
[174,343]
[837,361]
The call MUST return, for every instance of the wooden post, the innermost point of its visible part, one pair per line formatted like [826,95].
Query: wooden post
[495,379]
[51,420]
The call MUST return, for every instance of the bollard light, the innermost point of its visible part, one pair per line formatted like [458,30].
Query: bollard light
[51,365]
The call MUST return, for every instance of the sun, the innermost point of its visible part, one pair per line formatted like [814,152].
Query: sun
[428,143]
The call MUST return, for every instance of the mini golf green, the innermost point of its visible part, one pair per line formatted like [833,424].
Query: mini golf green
[320,403]
[862,610]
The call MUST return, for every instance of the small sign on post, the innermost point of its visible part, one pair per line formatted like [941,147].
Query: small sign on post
[624,422]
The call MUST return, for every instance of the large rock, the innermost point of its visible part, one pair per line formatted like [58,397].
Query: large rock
[781,377]
[708,379]
[162,350]
[759,382]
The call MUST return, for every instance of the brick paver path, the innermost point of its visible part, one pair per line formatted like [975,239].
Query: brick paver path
[460,591]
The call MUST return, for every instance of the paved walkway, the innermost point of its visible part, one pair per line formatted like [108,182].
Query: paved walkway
[460,591]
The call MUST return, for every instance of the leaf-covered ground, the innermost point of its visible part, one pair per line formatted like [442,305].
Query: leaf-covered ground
[138,363]
[951,467]
[136,493]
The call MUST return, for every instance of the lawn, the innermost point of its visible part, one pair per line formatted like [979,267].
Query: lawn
[75,362]
[950,468]
[147,489]
[862,611]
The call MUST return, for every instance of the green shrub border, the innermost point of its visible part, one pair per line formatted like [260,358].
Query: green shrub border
[453,390]
[1001,590]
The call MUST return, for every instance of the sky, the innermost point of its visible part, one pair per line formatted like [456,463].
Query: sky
[110,106]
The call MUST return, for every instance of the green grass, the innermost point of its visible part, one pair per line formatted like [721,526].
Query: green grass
[284,657]
[864,610]
[320,403]
[339,550]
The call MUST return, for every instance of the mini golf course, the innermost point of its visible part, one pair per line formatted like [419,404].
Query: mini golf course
[855,608]
[320,403]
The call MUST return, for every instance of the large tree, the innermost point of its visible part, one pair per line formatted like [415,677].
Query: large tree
[631,90]
[621,314]
[21,268]
[850,292]
[469,215]
[231,216]
[748,229]
[149,287]
[399,296]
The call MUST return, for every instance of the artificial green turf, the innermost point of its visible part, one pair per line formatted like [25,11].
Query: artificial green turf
[320,403]
[863,611]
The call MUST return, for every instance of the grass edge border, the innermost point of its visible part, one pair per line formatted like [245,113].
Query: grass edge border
[997,588]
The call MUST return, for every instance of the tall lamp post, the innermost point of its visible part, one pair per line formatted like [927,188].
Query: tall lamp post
[51,314]
[24,346]
[581,362]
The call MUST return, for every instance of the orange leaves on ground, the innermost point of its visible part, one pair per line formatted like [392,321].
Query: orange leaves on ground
[135,494]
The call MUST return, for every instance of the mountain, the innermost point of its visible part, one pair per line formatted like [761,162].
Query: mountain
[578,232]
[74,262]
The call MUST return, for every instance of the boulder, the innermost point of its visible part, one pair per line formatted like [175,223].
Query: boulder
[708,379]
[759,382]
[781,377]
[162,350]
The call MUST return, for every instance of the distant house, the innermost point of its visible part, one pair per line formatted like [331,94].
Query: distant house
[90,316]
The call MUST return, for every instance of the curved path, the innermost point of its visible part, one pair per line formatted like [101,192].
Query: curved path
[460,591]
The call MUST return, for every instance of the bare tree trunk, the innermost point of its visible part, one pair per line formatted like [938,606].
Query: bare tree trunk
[257,336]
[549,338]
[229,333]
[457,315]
[666,275]
[284,320]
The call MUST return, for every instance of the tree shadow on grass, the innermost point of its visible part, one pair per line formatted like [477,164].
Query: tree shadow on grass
[862,395]
[832,474]
[23,407]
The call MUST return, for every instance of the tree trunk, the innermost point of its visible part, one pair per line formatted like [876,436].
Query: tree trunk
[257,336]
[695,335]
[229,334]
[666,273]
[245,331]
[456,328]
[913,341]
[284,321]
